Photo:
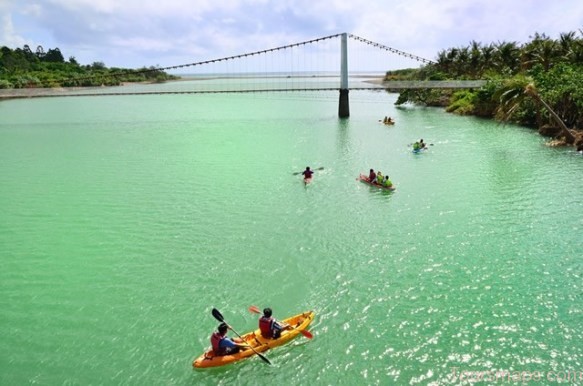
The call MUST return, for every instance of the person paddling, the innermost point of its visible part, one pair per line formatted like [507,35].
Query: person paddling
[372,176]
[379,179]
[269,326]
[222,344]
[307,173]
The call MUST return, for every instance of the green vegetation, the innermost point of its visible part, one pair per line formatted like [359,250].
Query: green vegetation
[537,84]
[22,68]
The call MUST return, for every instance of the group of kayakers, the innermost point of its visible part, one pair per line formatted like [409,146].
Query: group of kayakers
[388,120]
[223,345]
[377,178]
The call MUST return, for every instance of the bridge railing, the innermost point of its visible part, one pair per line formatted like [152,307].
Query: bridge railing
[233,84]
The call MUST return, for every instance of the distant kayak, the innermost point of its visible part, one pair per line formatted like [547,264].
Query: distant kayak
[259,343]
[364,178]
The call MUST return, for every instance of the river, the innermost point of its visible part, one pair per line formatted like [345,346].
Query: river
[126,219]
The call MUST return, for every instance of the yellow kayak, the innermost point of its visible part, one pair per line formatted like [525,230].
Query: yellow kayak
[298,323]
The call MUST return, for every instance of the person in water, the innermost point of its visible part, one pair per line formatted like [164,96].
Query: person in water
[387,182]
[307,173]
[222,344]
[269,326]
[421,143]
[372,176]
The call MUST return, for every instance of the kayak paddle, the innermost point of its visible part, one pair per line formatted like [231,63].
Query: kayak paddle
[218,316]
[320,168]
[305,333]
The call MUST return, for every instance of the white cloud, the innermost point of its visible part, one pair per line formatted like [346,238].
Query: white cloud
[129,32]
[8,36]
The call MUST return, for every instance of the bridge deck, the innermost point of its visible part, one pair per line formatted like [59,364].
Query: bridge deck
[153,89]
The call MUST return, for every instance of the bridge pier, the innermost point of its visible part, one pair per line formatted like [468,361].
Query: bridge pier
[343,104]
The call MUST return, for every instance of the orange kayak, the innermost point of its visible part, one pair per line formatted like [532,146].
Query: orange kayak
[365,179]
[260,344]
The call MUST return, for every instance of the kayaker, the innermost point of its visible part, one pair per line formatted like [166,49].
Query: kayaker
[421,143]
[307,173]
[269,326]
[379,177]
[222,344]
[387,182]
[372,176]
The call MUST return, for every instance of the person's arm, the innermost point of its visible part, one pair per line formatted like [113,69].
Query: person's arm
[229,343]
[279,325]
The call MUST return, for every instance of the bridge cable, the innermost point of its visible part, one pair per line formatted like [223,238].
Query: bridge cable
[393,50]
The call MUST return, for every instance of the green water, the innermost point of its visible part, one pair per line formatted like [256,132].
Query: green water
[124,220]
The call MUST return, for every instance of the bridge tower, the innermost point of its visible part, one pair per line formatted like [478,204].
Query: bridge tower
[343,105]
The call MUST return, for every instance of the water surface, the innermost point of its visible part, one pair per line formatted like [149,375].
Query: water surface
[126,219]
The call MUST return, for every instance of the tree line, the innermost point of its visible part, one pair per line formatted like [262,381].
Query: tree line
[537,84]
[23,68]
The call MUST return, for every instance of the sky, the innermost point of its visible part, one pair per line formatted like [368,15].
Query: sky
[163,33]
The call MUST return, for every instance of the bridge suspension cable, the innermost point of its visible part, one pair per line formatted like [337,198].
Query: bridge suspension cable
[390,49]
[266,51]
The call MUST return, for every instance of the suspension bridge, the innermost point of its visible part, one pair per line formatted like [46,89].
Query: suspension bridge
[321,64]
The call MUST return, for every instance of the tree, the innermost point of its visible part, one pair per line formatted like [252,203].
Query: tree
[507,57]
[54,56]
[512,95]
[40,52]
[541,50]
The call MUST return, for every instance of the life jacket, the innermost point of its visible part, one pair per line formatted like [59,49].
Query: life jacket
[379,178]
[388,183]
[265,326]
[416,146]
[216,339]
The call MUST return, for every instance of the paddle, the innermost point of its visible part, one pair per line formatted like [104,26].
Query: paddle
[218,316]
[305,333]
[320,168]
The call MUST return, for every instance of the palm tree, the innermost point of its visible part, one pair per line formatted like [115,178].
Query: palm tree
[475,59]
[541,50]
[487,58]
[514,93]
[507,57]
[567,42]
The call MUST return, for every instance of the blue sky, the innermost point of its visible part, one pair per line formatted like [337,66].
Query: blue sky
[135,33]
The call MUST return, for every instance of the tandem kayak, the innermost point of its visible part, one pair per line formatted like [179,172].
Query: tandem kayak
[259,343]
[364,178]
